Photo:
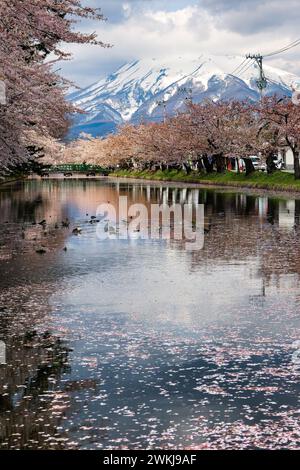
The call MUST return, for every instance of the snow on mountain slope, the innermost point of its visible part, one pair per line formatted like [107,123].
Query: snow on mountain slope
[135,92]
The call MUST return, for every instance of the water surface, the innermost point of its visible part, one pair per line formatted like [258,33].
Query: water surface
[140,343]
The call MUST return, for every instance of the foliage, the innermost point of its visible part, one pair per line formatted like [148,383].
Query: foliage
[35,103]
[200,139]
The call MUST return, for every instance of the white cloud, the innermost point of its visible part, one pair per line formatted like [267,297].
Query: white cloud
[149,29]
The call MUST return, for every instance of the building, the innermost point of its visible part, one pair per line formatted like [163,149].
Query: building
[288,158]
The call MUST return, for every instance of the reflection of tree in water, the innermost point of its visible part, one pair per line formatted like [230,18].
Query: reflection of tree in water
[35,395]
[31,403]
[272,211]
[28,202]
[31,406]
[238,227]
[26,210]
[237,230]
[297,212]
[19,207]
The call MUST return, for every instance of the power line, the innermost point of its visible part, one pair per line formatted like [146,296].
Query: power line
[244,65]
[248,65]
[242,68]
[284,49]
[262,81]
[272,82]
[237,68]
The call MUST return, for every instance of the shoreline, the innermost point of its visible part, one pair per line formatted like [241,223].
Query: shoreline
[278,182]
[259,183]
[14,179]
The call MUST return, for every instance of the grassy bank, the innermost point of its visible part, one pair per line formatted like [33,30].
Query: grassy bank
[276,182]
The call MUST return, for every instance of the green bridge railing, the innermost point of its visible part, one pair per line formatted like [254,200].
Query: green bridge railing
[79,168]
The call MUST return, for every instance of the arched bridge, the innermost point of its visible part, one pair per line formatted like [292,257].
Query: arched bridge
[73,169]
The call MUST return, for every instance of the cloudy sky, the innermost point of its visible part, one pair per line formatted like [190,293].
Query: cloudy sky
[165,28]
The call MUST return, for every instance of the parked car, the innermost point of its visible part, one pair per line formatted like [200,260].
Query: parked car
[258,163]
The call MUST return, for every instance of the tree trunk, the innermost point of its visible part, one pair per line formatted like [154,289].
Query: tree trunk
[208,164]
[220,163]
[149,165]
[271,167]
[249,166]
[296,164]
[186,168]
[199,165]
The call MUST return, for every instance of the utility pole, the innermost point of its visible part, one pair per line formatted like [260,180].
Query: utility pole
[262,81]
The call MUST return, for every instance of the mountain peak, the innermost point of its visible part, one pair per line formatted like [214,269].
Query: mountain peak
[137,90]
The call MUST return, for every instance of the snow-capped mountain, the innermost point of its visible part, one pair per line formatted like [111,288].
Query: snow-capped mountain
[144,90]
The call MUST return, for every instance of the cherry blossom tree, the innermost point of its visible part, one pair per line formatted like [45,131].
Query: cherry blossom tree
[280,118]
[35,94]
[222,130]
[202,138]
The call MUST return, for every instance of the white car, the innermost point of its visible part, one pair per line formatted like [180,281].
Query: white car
[257,163]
